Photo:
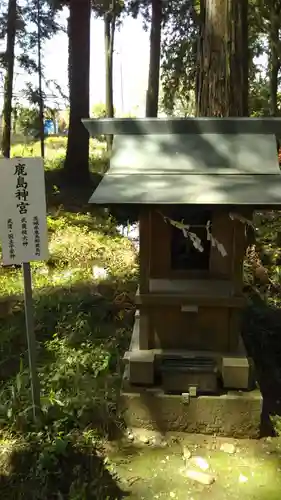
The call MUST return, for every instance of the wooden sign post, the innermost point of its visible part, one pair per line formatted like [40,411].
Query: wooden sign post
[24,237]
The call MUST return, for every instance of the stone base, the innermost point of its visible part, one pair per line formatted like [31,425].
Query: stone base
[236,370]
[235,414]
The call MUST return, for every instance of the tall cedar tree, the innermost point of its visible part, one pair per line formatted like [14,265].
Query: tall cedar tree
[223,64]
[274,53]
[9,77]
[109,32]
[152,95]
[40,75]
[77,154]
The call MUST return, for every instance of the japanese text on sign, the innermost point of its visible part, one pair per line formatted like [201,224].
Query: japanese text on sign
[23,210]
[36,235]
[21,188]
[11,239]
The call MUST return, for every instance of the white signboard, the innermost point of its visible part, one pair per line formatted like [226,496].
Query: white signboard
[23,216]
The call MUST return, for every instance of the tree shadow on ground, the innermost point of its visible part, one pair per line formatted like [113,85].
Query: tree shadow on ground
[40,471]
[73,198]
[261,333]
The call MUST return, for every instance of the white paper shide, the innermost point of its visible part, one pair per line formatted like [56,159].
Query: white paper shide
[24,236]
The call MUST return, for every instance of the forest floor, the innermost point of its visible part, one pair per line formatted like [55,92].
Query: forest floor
[84,309]
[246,469]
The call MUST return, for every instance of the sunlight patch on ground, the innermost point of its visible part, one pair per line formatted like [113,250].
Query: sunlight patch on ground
[253,471]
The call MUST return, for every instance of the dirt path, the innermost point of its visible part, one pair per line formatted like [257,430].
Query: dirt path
[153,467]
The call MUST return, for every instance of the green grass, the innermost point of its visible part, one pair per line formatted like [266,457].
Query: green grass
[82,328]
[55,147]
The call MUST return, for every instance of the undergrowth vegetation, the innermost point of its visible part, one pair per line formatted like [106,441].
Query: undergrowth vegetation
[83,307]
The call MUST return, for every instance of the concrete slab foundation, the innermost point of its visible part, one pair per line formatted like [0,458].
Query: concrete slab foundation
[235,414]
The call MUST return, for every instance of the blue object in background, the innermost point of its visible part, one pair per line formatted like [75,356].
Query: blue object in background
[49,127]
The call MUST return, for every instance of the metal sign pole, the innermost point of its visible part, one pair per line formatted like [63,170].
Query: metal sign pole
[31,341]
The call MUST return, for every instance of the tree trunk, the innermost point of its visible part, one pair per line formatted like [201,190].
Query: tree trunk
[77,155]
[14,119]
[274,61]
[152,95]
[69,74]
[223,64]
[41,101]
[8,84]
[109,32]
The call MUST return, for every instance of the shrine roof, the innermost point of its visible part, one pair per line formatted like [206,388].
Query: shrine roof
[192,168]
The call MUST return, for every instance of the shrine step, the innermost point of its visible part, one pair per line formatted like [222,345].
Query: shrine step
[232,413]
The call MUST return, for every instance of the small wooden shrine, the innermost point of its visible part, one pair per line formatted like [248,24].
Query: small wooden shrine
[196,185]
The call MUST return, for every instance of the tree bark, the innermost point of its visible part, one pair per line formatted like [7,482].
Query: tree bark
[9,78]
[223,59]
[40,96]
[274,60]
[76,164]
[109,32]
[152,95]
[15,119]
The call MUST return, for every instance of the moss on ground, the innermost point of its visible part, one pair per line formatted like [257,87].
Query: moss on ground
[252,471]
